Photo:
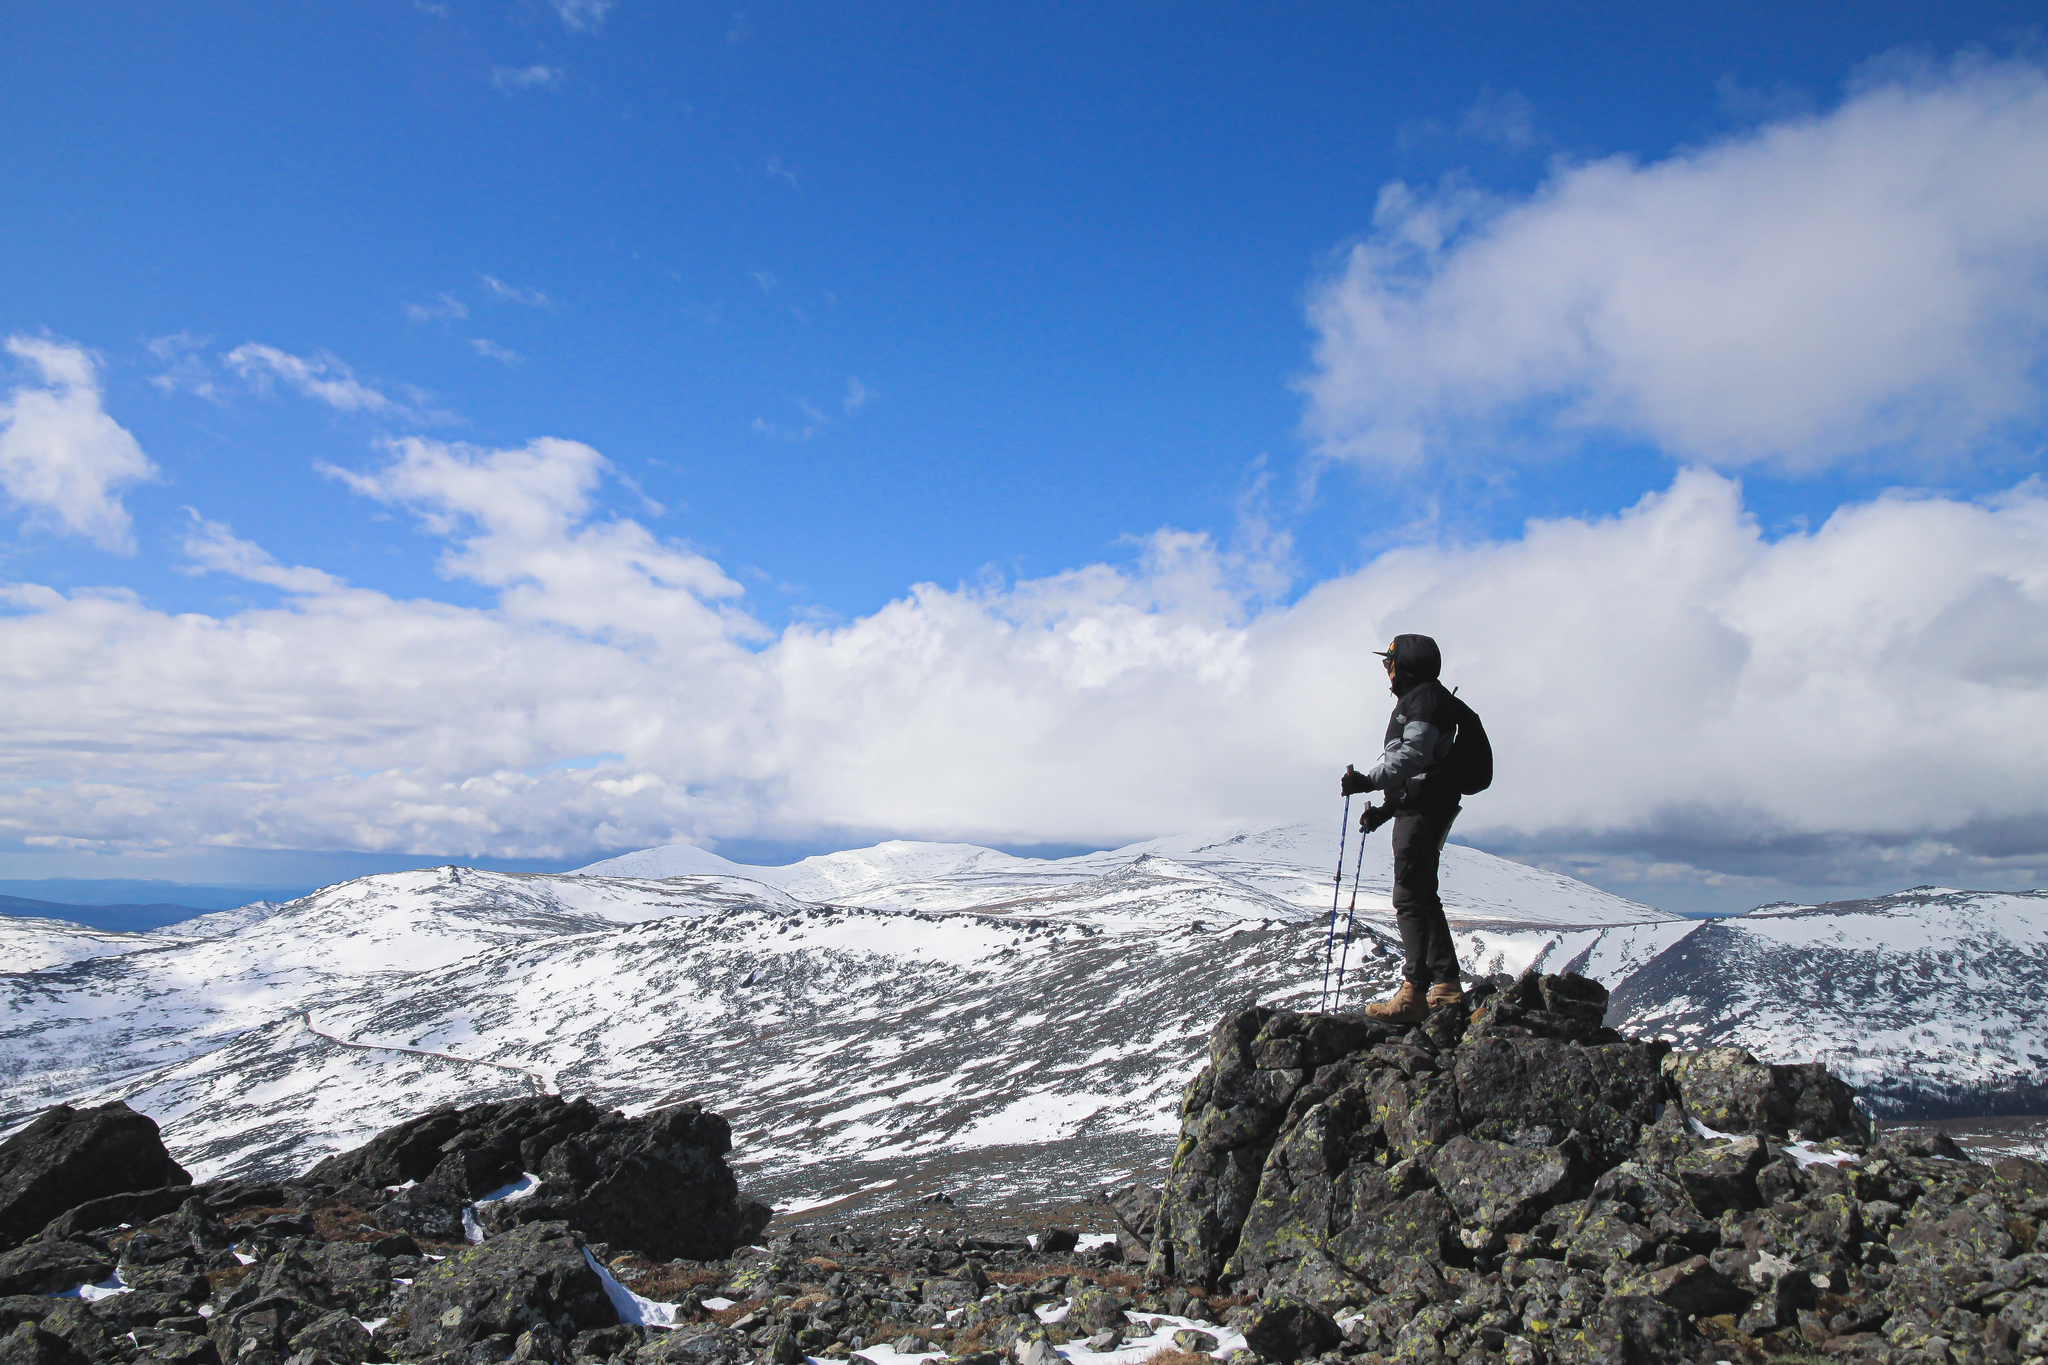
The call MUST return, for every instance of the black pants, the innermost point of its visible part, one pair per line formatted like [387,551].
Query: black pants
[1432,959]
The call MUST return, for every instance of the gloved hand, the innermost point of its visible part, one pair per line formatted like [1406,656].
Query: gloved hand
[1354,782]
[1372,817]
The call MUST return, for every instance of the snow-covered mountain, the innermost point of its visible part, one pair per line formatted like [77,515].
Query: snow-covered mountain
[29,942]
[881,1022]
[1932,1002]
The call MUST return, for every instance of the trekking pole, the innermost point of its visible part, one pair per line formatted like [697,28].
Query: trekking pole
[1336,891]
[1350,915]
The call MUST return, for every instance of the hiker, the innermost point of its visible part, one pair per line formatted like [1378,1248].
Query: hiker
[1421,798]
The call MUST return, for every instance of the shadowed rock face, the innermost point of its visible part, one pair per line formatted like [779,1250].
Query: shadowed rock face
[657,1183]
[68,1156]
[1523,1152]
[532,1277]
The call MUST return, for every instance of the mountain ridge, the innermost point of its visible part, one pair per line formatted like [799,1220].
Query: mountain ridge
[977,1023]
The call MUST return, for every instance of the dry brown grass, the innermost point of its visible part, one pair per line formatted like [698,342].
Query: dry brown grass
[726,1317]
[228,1277]
[1169,1356]
[341,1223]
[658,1280]
[258,1214]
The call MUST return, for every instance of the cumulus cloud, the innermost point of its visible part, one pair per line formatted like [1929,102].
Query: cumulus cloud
[1668,682]
[61,456]
[1868,281]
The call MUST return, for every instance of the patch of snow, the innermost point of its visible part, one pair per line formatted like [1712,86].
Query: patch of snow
[521,1188]
[632,1309]
[885,1354]
[93,1293]
[1805,1155]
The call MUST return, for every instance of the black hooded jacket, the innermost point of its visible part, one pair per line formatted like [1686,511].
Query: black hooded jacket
[1419,733]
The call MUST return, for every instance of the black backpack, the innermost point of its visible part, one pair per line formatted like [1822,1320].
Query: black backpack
[1469,766]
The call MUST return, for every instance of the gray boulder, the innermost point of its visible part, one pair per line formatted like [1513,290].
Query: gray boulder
[1729,1090]
[29,1344]
[259,1331]
[1498,1188]
[1722,1175]
[657,1183]
[1099,1310]
[532,1276]
[1260,1060]
[338,1336]
[1287,1329]
[701,1343]
[43,1267]
[1136,1208]
[68,1156]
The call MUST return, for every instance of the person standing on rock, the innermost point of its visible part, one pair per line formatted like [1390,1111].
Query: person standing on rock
[1422,803]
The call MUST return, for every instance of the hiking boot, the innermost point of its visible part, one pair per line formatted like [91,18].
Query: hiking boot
[1406,1007]
[1445,994]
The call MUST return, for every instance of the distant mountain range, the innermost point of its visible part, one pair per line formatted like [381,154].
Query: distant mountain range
[912,1017]
[127,905]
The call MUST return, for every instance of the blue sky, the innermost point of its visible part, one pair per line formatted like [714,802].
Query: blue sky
[842,301]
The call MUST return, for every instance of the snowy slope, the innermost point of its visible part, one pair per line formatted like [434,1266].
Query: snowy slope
[848,1044]
[924,1016]
[105,1018]
[1931,1002]
[28,943]
[219,921]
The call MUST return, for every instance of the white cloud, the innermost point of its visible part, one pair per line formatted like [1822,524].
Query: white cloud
[321,377]
[582,16]
[212,546]
[1665,681]
[444,307]
[857,396]
[512,293]
[491,350]
[61,456]
[1869,280]
[536,77]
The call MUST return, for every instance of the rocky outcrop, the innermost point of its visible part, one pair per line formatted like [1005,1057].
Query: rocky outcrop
[534,1279]
[657,1183]
[68,1156]
[1521,1182]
